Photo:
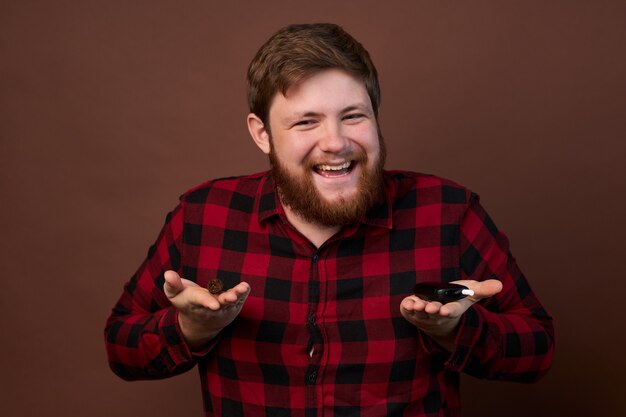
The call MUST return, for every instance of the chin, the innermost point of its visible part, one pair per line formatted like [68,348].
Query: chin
[339,197]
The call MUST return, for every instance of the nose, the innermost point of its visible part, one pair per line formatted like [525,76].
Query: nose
[333,138]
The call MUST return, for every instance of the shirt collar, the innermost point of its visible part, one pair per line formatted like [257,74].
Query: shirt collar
[379,215]
[267,198]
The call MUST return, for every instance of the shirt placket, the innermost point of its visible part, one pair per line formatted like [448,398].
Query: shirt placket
[313,395]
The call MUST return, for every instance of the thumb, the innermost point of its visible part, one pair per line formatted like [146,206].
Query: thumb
[487,288]
[173,284]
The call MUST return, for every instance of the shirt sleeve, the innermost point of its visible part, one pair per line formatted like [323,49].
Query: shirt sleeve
[509,336]
[142,336]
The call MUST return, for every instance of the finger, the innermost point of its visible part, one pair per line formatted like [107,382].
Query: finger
[482,289]
[488,288]
[235,295]
[173,284]
[201,297]
[412,304]
[432,307]
[455,308]
[194,295]
[188,283]
[412,308]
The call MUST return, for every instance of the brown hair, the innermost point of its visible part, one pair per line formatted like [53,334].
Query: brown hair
[298,51]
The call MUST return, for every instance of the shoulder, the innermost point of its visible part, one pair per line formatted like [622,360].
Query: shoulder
[243,187]
[425,189]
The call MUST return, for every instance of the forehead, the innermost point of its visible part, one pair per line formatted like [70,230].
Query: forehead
[325,91]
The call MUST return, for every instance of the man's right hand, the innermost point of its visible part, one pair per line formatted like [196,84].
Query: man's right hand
[202,315]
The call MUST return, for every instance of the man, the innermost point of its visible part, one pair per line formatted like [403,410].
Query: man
[292,290]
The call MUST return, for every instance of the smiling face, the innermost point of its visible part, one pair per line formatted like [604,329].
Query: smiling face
[325,149]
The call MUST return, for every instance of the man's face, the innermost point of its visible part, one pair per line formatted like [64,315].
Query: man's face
[326,153]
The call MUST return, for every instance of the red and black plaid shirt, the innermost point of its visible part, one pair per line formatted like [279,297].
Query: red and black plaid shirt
[321,332]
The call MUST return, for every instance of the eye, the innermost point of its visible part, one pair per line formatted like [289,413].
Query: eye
[353,117]
[305,123]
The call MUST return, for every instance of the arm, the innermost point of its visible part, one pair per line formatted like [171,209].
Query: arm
[142,335]
[161,318]
[502,332]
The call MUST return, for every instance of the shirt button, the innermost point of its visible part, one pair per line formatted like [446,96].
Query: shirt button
[316,257]
[311,320]
[312,377]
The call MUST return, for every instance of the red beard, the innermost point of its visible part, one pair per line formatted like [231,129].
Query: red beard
[302,197]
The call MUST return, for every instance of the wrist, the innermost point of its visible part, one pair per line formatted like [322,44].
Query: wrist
[444,334]
[196,337]
[446,341]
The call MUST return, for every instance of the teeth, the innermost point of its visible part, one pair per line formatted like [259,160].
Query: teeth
[334,167]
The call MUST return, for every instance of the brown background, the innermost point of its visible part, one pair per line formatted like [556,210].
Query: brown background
[110,109]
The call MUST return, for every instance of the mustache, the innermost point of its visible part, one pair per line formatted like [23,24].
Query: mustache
[358,156]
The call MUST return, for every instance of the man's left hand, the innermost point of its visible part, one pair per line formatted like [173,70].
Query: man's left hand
[440,321]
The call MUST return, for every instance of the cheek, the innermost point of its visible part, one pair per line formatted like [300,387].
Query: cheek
[299,148]
[293,153]
[366,135]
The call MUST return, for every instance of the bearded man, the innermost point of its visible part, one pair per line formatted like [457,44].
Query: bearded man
[292,289]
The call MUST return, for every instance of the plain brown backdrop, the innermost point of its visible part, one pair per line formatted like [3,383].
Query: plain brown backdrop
[110,109]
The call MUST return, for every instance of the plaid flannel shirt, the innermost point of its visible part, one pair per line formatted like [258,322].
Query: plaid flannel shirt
[321,332]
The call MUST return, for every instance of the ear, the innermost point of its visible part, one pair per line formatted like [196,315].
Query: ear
[259,133]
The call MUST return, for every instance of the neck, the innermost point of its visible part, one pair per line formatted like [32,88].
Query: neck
[316,233]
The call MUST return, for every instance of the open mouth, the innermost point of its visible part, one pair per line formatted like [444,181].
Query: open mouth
[338,170]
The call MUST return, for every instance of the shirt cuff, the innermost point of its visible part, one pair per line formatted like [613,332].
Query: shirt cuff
[431,347]
[208,348]
[173,340]
[466,337]
[468,334]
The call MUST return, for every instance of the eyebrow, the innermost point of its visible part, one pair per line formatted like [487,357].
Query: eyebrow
[360,107]
[300,115]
